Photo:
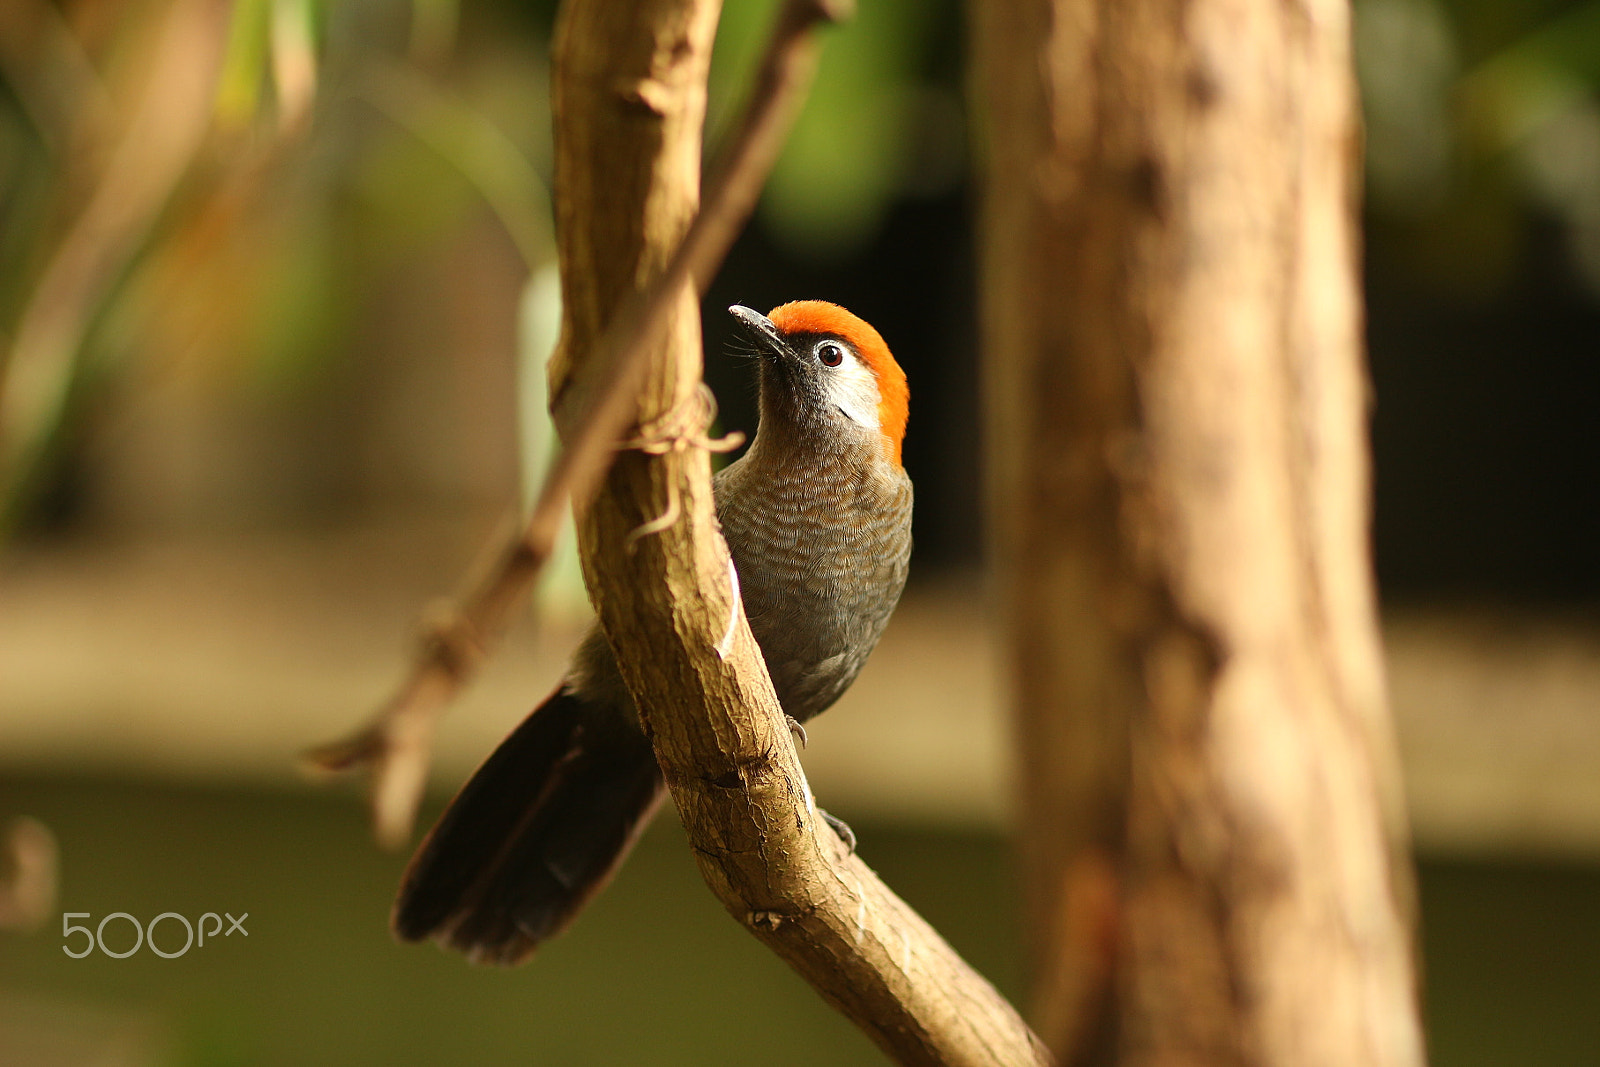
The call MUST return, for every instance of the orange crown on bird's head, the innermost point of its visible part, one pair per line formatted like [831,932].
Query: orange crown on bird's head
[819,316]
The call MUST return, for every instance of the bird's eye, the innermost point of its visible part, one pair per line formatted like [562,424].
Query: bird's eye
[831,353]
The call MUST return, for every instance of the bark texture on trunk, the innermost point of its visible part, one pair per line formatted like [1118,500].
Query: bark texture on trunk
[1177,455]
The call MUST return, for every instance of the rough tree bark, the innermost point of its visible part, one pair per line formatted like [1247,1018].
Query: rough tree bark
[1177,454]
[629,97]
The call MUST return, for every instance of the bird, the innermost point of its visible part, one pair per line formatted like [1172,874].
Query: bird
[817,518]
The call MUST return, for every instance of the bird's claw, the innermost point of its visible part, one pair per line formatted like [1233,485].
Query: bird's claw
[842,828]
[795,729]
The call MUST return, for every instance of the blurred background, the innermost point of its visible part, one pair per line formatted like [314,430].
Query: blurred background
[275,298]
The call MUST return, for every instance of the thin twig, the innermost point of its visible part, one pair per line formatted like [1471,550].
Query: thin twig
[29,875]
[397,741]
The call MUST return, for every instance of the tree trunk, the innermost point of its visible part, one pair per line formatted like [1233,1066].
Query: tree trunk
[1178,463]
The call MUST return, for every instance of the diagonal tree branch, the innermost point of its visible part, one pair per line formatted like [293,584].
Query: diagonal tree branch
[594,409]
[629,101]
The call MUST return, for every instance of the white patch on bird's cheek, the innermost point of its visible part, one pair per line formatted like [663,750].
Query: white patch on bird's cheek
[853,389]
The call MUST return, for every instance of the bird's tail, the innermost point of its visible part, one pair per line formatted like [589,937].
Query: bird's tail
[535,833]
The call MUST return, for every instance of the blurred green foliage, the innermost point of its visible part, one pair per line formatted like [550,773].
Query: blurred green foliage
[344,138]
[851,151]
[1482,121]
[337,141]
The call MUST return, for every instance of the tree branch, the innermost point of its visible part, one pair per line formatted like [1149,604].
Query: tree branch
[629,99]
[594,409]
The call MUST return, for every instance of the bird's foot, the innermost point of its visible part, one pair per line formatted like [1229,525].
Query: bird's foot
[840,827]
[798,731]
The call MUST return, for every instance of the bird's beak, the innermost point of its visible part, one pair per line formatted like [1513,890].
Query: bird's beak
[762,329]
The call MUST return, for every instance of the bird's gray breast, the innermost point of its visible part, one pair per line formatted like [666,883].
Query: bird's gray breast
[822,555]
